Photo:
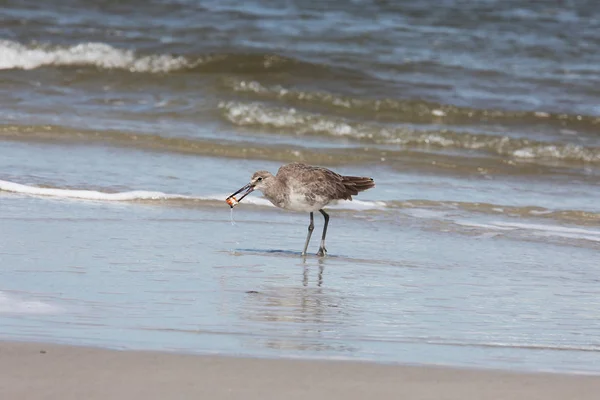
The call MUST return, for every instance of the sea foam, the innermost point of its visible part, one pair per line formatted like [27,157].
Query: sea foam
[13,187]
[14,305]
[18,56]
[540,230]
[18,188]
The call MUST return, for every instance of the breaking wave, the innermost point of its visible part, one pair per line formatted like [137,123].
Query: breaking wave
[19,56]
[304,123]
[404,110]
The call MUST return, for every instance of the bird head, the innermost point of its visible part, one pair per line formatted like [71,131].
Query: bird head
[259,181]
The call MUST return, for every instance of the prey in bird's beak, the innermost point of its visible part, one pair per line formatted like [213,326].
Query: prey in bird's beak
[260,180]
[246,190]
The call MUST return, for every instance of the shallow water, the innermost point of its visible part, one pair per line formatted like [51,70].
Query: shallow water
[122,133]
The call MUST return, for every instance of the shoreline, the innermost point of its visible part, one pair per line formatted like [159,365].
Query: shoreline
[35,370]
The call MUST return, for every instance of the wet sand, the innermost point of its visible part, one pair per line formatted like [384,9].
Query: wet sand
[49,371]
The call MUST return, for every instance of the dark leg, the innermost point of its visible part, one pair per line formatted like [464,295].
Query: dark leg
[311,227]
[322,250]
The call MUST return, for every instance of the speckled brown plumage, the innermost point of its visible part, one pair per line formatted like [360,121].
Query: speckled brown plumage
[302,187]
[322,182]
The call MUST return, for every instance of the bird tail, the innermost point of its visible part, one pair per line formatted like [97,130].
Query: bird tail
[355,184]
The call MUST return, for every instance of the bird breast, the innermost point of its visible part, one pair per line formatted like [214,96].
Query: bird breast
[300,200]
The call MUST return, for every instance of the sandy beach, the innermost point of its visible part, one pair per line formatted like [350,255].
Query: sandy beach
[48,371]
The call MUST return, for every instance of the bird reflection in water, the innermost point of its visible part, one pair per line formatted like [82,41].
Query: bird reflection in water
[306,272]
[306,317]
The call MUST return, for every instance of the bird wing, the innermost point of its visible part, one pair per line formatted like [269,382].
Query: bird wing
[318,181]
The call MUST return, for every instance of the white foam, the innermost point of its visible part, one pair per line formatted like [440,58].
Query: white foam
[569,151]
[552,230]
[86,194]
[538,229]
[483,226]
[17,55]
[359,205]
[13,187]
[425,213]
[13,305]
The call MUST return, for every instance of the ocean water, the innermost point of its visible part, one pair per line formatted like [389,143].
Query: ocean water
[123,127]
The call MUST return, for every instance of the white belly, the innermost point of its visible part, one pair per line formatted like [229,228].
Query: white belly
[297,201]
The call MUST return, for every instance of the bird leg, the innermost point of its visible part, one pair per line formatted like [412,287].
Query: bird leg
[322,250]
[311,227]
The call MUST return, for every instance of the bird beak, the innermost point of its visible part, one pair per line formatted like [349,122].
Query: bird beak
[246,190]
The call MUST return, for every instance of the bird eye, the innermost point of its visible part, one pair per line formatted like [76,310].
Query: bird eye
[259,178]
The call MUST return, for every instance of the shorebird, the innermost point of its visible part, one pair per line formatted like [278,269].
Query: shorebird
[301,187]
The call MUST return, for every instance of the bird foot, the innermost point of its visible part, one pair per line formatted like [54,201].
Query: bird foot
[322,252]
